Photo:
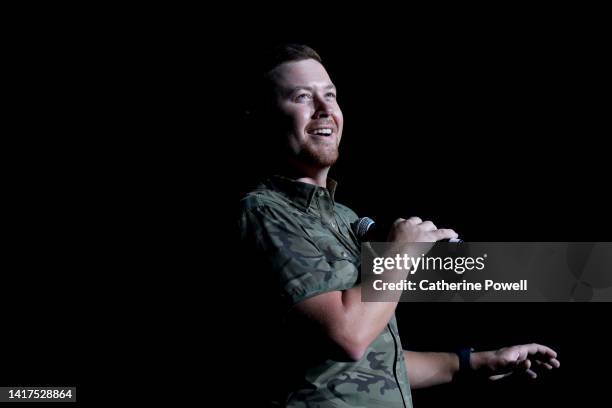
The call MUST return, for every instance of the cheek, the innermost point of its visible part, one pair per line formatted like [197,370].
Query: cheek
[339,118]
[296,117]
[301,117]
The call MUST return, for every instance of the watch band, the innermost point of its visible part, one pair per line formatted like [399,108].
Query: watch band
[464,359]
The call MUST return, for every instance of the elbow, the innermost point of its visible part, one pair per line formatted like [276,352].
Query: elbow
[354,346]
[356,352]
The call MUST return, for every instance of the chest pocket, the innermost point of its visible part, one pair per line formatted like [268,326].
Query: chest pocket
[344,265]
[338,251]
[333,244]
[333,250]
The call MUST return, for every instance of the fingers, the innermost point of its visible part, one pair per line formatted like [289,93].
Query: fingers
[526,365]
[535,348]
[542,356]
[524,359]
[523,366]
[555,363]
[499,376]
[525,351]
[414,229]
[546,358]
[549,364]
[399,221]
[428,226]
[414,220]
[444,233]
[543,364]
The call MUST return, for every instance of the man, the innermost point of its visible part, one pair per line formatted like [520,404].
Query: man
[335,350]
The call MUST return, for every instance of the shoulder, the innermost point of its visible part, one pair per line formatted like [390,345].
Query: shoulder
[260,199]
[267,209]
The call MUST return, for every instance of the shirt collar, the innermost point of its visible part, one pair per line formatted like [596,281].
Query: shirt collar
[301,193]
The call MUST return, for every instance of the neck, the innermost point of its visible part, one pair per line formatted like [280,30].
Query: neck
[318,180]
[307,174]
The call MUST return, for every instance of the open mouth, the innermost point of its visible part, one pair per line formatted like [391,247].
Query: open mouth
[322,131]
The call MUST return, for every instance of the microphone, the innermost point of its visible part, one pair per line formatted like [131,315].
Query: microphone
[366,230]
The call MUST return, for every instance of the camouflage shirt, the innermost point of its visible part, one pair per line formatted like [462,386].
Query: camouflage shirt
[303,243]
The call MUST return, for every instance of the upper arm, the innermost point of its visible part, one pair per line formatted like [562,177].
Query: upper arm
[301,268]
[325,309]
[310,276]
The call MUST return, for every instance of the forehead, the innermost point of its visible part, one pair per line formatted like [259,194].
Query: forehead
[301,73]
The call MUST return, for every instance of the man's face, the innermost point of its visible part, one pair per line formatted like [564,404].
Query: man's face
[306,98]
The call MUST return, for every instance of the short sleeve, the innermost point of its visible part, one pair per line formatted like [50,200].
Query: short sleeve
[285,249]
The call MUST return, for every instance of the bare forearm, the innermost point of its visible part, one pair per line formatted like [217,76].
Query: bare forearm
[350,323]
[365,320]
[427,369]
[353,324]
[370,318]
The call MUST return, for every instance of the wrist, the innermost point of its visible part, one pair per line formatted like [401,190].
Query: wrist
[462,364]
[466,356]
[477,360]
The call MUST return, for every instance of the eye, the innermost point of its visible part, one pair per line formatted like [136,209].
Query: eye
[303,97]
[330,95]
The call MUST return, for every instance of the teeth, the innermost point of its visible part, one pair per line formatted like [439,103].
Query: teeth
[322,131]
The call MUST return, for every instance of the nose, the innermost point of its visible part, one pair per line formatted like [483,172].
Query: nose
[321,114]
[322,108]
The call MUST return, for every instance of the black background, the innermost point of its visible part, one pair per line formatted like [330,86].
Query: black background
[495,129]
[126,157]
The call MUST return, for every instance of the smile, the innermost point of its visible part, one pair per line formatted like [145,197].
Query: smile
[321,131]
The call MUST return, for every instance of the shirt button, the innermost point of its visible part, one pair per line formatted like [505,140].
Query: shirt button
[343,253]
[320,193]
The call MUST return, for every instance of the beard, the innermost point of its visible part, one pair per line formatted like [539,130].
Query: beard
[320,154]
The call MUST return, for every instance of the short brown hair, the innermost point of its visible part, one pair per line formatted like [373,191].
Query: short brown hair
[289,53]
[262,107]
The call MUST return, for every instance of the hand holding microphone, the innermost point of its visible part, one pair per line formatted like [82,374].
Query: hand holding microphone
[412,229]
[411,236]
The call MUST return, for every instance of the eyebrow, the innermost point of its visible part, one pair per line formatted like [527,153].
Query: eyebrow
[309,88]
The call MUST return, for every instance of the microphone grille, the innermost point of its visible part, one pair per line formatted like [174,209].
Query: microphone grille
[362,226]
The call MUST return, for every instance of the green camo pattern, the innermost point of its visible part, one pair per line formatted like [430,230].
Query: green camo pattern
[304,239]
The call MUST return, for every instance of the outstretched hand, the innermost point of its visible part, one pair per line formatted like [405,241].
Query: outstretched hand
[506,361]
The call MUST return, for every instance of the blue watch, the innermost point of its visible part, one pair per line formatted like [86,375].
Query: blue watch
[464,359]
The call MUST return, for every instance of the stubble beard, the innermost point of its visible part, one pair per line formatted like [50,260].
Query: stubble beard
[323,154]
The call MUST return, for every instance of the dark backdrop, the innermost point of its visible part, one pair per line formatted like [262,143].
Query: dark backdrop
[498,133]
[131,142]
